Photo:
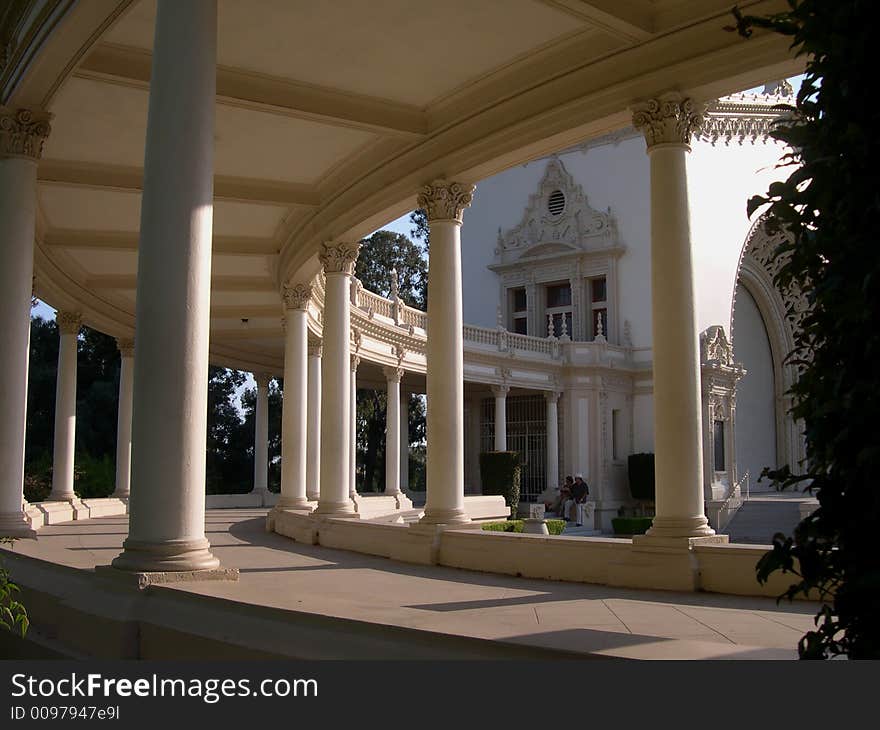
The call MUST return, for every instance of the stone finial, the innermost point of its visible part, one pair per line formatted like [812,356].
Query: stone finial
[715,347]
[564,334]
[23,132]
[499,319]
[600,328]
[444,200]
[339,257]
[393,375]
[551,330]
[125,347]
[668,119]
[296,296]
[69,323]
[395,284]
[354,361]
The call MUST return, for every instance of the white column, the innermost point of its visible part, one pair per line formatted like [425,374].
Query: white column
[167,507]
[313,418]
[123,421]
[392,430]
[261,434]
[22,133]
[403,472]
[552,399]
[69,324]
[668,123]
[338,260]
[445,202]
[500,392]
[352,422]
[294,422]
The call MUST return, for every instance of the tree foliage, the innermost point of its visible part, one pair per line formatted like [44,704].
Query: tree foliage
[830,206]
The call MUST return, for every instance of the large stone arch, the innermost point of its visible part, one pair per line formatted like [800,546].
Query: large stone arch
[781,313]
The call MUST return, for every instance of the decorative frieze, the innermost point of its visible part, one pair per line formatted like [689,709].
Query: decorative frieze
[444,200]
[296,296]
[69,323]
[125,347]
[668,119]
[23,132]
[339,257]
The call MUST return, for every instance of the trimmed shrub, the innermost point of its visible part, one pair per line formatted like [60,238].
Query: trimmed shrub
[640,468]
[554,527]
[631,525]
[500,474]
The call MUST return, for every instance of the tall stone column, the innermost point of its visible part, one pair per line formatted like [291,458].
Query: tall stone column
[668,123]
[393,377]
[69,324]
[500,392]
[352,424]
[22,133]
[445,202]
[123,421]
[313,419]
[335,500]
[169,426]
[294,421]
[552,398]
[261,435]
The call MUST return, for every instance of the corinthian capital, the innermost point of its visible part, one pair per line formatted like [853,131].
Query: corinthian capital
[296,296]
[23,132]
[68,322]
[668,119]
[444,200]
[339,257]
[125,347]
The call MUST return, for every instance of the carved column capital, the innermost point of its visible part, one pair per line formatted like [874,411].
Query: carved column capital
[500,391]
[296,296]
[315,346]
[23,132]
[69,323]
[125,347]
[669,119]
[393,375]
[444,200]
[552,396]
[339,257]
[262,380]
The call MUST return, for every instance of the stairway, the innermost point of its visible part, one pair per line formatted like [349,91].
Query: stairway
[760,518]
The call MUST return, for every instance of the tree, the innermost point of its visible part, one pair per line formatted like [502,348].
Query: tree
[830,208]
[230,460]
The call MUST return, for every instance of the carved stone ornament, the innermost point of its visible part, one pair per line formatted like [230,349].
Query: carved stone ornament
[393,375]
[444,200]
[669,119]
[355,362]
[296,296]
[339,257]
[69,323]
[125,347]
[23,132]
[357,337]
[715,347]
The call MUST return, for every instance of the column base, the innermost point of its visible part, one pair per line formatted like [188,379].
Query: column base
[403,502]
[63,510]
[165,556]
[335,509]
[16,524]
[678,527]
[439,516]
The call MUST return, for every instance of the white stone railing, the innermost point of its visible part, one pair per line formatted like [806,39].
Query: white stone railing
[370,302]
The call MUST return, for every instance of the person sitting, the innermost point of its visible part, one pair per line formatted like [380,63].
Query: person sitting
[564,497]
[578,499]
[551,499]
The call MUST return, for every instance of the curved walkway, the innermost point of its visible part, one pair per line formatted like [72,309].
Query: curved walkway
[548,618]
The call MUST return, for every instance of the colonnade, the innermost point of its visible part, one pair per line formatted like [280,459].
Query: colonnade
[167,377]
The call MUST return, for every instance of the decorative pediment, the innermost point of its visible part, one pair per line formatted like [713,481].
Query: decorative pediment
[715,347]
[557,219]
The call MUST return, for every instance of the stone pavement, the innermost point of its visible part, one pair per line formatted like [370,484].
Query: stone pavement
[591,620]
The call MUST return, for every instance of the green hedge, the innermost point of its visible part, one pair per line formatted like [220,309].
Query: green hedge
[631,525]
[500,474]
[554,527]
[640,468]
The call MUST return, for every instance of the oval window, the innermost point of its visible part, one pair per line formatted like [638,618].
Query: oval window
[556,202]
